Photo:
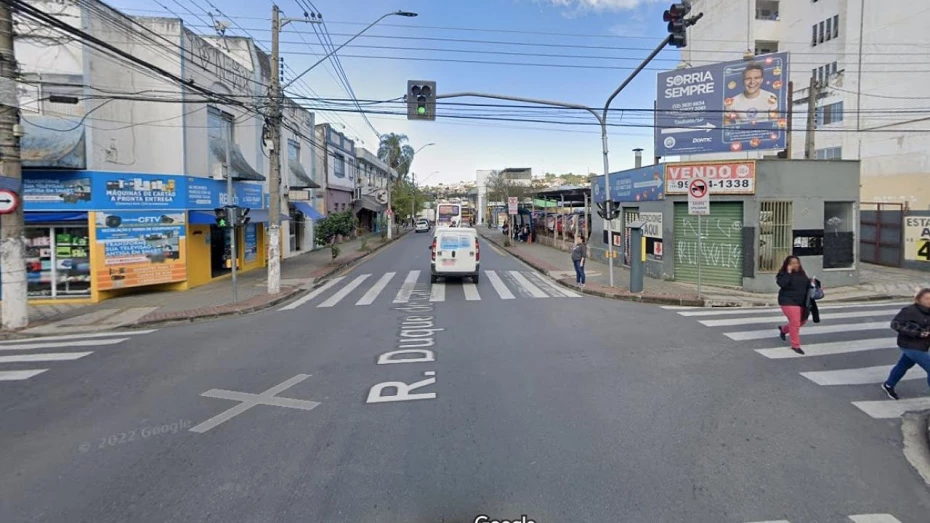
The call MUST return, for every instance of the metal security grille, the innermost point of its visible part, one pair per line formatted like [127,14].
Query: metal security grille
[775,236]
[721,247]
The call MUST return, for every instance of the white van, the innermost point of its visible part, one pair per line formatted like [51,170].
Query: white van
[454,253]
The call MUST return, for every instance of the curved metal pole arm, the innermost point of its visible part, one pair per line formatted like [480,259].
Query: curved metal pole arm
[538,101]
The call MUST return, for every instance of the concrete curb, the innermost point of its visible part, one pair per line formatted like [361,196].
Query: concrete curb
[716,303]
[657,299]
[284,297]
[915,431]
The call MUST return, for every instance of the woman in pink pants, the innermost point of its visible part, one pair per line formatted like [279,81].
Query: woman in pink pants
[793,285]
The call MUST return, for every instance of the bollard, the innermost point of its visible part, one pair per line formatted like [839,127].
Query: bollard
[636,256]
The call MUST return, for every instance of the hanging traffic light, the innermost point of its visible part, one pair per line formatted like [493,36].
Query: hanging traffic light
[222,217]
[677,25]
[421,100]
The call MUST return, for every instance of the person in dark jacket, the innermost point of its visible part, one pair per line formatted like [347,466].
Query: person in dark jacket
[579,253]
[793,291]
[913,327]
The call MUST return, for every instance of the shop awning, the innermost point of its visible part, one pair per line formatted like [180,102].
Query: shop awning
[48,217]
[209,218]
[53,142]
[240,166]
[261,216]
[367,203]
[308,210]
[299,179]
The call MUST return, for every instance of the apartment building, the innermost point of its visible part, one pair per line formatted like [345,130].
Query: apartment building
[866,57]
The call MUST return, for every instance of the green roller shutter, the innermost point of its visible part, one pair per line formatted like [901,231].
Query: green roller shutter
[721,245]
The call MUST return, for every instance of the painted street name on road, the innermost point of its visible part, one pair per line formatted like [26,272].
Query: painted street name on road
[417,332]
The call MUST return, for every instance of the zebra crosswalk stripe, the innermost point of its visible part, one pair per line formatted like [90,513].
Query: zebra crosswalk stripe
[820,329]
[553,287]
[19,375]
[780,318]
[51,356]
[874,518]
[862,376]
[320,290]
[84,336]
[830,348]
[406,290]
[438,292]
[521,280]
[42,344]
[728,311]
[471,291]
[499,286]
[343,292]
[890,409]
[376,289]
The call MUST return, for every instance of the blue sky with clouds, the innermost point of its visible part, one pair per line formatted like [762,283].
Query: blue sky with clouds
[581,51]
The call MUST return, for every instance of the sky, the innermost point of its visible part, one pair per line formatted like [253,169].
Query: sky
[442,44]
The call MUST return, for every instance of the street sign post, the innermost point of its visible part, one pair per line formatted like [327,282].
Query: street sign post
[698,205]
[9,201]
[512,204]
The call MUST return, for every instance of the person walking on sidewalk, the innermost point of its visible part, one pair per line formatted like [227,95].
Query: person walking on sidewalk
[913,326]
[579,253]
[793,290]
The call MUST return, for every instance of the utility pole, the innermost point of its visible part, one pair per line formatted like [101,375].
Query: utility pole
[231,204]
[273,128]
[814,93]
[12,242]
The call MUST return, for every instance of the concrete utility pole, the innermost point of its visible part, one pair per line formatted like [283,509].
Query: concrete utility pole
[12,242]
[814,93]
[273,122]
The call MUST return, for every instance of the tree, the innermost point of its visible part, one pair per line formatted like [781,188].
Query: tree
[397,153]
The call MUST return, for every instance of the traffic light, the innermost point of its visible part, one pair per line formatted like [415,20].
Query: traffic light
[677,25]
[242,216]
[421,100]
[222,217]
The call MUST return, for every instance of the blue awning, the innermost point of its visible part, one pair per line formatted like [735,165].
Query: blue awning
[53,142]
[308,210]
[48,217]
[261,216]
[201,218]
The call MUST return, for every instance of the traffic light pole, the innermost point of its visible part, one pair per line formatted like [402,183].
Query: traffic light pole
[602,120]
[230,201]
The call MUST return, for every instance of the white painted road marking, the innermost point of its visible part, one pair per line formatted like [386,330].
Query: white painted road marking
[437,292]
[523,282]
[51,356]
[499,286]
[830,348]
[781,319]
[403,295]
[250,400]
[874,518]
[553,288]
[326,286]
[863,376]
[471,291]
[376,289]
[88,335]
[19,375]
[76,343]
[343,292]
[823,329]
[727,311]
[892,409]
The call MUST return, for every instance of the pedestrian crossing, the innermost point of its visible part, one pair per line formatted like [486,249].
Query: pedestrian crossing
[19,360]
[859,332]
[857,518]
[398,288]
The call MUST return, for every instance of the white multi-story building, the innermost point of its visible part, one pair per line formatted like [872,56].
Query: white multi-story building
[868,57]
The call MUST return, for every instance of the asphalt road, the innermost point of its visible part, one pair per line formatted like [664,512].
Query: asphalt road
[561,408]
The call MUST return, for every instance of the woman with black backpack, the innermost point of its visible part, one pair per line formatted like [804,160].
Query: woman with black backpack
[913,327]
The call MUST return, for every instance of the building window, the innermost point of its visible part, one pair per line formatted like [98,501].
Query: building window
[829,114]
[339,166]
[350,167]
[820,33]
[766,9]
[775,234]
[293,150]
[814,35]
[829,153]
[838,235]
[836,26]
[220,126]
[57,262]
[829,29]
[766,47]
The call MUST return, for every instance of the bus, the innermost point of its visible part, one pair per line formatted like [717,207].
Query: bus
[447,213]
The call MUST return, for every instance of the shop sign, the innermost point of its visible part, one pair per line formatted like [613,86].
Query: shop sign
[917,238]
[139,248]
[652,228]
[204,193]
[736,177]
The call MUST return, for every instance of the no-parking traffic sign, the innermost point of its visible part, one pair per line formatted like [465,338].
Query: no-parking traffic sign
[698,198]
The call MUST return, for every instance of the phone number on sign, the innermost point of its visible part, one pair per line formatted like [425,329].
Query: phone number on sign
[740,185]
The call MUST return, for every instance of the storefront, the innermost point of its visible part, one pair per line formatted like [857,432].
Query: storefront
[93,235]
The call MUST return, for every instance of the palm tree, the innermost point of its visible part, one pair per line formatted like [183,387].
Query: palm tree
[396,152]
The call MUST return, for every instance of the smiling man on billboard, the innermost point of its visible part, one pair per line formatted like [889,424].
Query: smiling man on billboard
[754,103]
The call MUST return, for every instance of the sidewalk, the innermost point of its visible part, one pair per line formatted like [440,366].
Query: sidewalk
[879,283]
[298,274]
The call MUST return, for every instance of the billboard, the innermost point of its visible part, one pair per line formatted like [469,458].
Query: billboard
[723,177]
[725,107]
[643,184]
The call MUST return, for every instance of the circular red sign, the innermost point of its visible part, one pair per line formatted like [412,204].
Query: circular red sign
[698,188]
[9,201]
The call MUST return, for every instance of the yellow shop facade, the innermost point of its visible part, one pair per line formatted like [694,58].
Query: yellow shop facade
[94,235]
